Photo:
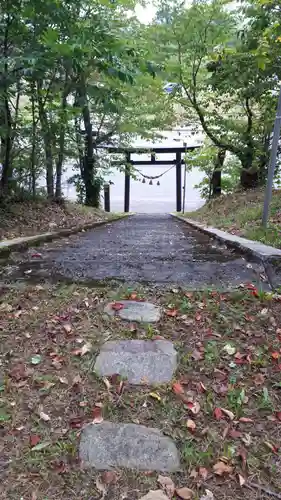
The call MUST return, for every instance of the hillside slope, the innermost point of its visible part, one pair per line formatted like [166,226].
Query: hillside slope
[240,213]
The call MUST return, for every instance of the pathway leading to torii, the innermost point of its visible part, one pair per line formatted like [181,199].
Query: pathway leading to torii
[150,249]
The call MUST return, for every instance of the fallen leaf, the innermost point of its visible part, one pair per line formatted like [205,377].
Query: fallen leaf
[259,379]
[230,349]
[228,413]
[76,380]
[234,433]
[171,312]
[133,296]
[242,480]
[155,495]
[109,477]
[220,468]
[185,493]
[271,446]
[194,407]
[246,420]
[36,359]
[247,439]
[41,446]
[34,440]
[57,363]
[198,316]
[278,415]
[44,416]
[97,415]
[18,372]
[218,413]
[154,395]
[84,349]
[167,484]
[203,472]
[75,422]
[101,488]
[67,328]
[177,388]
[117,306]
[190,424]
[197,355]
[107,383]
[208,496]
[63,380]
[4,307]
[275,355]
[36,255]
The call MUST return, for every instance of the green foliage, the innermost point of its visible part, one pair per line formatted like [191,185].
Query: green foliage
[68,66]
[226,62]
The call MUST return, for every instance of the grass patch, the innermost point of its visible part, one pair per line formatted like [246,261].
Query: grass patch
[240,213]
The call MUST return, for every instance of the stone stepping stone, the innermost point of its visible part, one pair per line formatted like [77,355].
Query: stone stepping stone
[109,445]
[143,312]
[139,361]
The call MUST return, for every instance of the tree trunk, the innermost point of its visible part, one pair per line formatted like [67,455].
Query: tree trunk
[47,139]
[33,146]
[92,187]
[249,176]
[60,160]
[6,148]
[6,139]
[216,177]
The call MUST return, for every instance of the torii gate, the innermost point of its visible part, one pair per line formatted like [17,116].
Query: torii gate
[178,161]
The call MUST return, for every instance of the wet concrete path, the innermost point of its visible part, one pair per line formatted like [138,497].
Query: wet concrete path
[144,248]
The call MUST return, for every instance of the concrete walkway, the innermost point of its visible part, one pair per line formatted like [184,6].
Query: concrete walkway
[152,249]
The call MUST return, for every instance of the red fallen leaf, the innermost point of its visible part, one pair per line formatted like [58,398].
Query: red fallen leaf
[133,296]
[234,433]
[36,255]
[275,355]
[34,440]
[177,388]
[218,414]
[117,306]
[246,420]
[109,477]
[158,337]
[278,415]
[18,372]
[75,422]
[198,317]
[171,312]
[239,355]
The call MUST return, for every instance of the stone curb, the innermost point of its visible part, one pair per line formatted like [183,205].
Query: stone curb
[21,243]
[254,248]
